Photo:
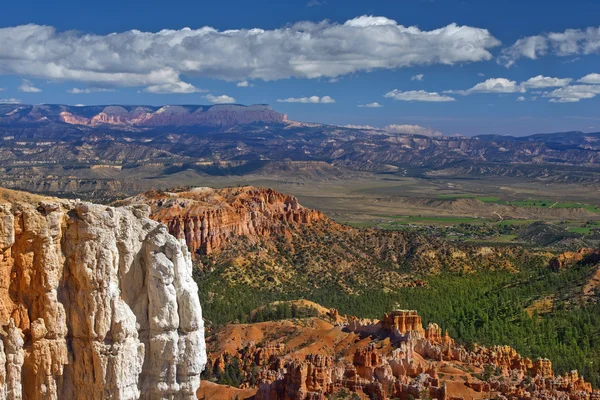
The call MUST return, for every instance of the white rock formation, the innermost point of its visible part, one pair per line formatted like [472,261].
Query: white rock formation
[96,302]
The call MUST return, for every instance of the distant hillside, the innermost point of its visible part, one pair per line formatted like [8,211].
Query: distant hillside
[65,149]
[137,116]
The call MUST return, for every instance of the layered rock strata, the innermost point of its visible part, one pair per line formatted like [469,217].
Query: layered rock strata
[208,218]
[96,302]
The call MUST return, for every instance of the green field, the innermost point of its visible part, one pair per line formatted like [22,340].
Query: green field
[582,230]
[539,203]
[443,220]
[488,199]
[515,222]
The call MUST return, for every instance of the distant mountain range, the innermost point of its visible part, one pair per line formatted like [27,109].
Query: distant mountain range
[66,144]
[138,116]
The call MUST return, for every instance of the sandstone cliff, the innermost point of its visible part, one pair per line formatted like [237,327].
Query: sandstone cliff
[209,218]
[96,302]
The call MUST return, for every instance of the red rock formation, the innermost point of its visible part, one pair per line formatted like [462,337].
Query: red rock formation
[218,115]
[433,333]
[208,218]
[569,258]
[366,361]
[542,367]
[413,366]
[402,321]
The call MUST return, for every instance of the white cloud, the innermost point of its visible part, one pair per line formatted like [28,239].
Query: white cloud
[1,89]
[413,130]
[520,98]
[371,105]
[360,127]
[590,78]
[27,87]
[480,74]
[12,100]
[572,94]
[315,3]
[244,84]
[418,95]
[540,82]
[568,43]
[418,77]
[173,88]
[400,129]
[89,90]
[571,60]
[492,85]
[311,99]
[223,99]
[302,50]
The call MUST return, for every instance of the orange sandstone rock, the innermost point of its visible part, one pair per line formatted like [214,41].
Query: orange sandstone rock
[208,218]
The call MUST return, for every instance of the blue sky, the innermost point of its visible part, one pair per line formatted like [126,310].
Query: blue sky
[324,71]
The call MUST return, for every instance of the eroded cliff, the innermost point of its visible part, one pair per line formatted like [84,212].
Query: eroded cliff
[209,218]
[96,302]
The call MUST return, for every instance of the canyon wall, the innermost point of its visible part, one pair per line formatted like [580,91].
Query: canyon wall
[96,302]
[208,218]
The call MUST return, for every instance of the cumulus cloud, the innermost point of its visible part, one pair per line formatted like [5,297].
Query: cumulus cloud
[369,127]
[520,98]
[400,129]
[12,100]
[492,85]
[173,88]
[568,43]
[413,130]
[158,60]
[573,94]
[89,90]
[27,87]
[541,82]
[244,84]
[590,78]
[418,95]
[223,99]
[371,105]
[418,77]
[311,99]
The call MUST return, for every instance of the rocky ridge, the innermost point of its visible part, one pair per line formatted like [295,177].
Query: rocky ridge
[207,219]
[268,240]
[96,302]
[140,116]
